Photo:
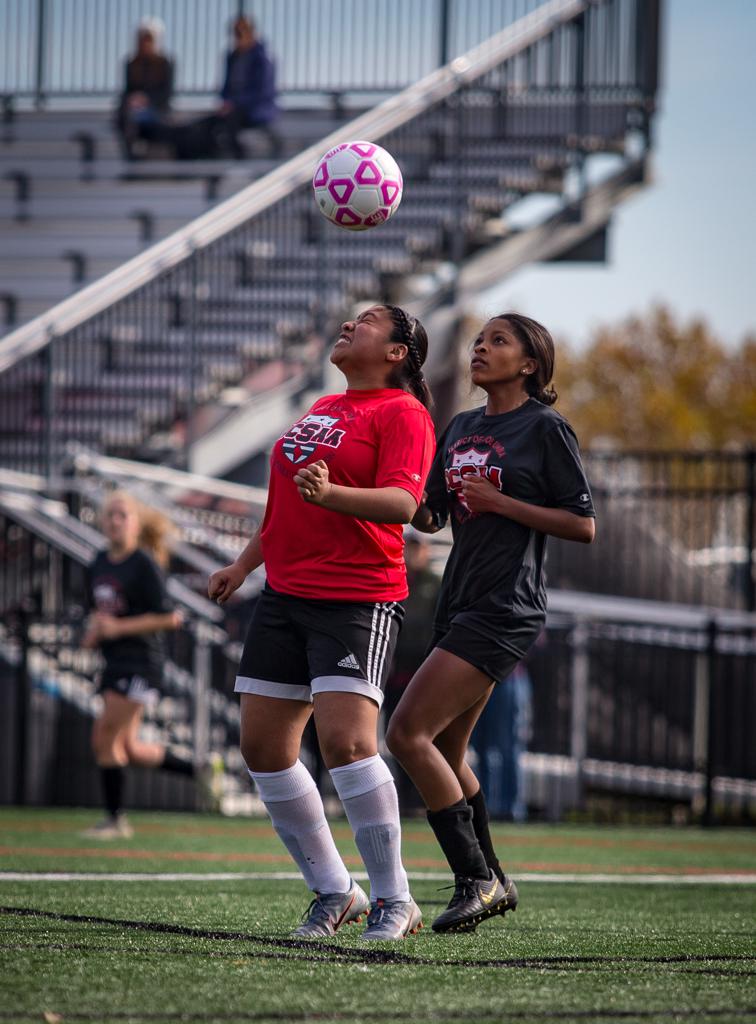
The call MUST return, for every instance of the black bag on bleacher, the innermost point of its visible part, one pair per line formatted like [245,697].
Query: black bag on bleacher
[196,140]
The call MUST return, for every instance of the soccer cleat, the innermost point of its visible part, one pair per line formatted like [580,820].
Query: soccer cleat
[329,911]
[110,828]
[392,919]
[476,900]
[209,779]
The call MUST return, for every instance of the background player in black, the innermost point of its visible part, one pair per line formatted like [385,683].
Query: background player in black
[131,609]
[508,474]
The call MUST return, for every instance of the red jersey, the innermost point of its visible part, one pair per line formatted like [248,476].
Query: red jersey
[376,438]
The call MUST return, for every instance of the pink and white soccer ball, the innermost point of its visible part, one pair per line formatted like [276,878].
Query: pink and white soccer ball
[357,185]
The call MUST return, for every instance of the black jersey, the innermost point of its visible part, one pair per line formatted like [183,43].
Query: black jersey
[134,586]
[494,581]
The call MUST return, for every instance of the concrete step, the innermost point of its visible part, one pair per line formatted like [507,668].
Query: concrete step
[71,187]
[100,207]
[34,253]
[66,228]
[64,169]
[20,265]
[61,124]
[46,290]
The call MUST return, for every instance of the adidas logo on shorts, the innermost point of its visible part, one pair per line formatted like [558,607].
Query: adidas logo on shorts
[349,662]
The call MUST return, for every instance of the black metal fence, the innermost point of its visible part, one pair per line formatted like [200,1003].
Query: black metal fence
[636,701]
[673,526]
[625,702]
[63,49]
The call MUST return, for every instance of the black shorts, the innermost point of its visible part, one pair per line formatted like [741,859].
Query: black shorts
[296,647]
[492,657]
[142,686]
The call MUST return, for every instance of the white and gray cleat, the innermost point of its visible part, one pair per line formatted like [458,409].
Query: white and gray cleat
[329,911]
[389,920]
[110,828]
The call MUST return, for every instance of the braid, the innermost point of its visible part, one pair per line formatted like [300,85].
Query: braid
[406,328]
[410,332]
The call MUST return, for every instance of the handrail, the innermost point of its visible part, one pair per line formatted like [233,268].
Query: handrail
[15,480]
[190,553]
[46,518]
[105,465]
[639,611]
[387,116]
[52,521]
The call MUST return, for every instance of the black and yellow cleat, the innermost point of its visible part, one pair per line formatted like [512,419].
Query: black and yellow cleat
[475,900]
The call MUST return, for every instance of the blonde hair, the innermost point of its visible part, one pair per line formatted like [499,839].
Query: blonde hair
[155,528]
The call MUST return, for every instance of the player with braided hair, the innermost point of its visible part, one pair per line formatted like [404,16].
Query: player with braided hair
[344,479]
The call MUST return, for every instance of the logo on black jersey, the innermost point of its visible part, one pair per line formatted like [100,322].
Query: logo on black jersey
[109,596]
[300,441]
[471,462]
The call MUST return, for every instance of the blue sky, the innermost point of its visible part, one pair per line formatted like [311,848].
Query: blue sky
[690,238]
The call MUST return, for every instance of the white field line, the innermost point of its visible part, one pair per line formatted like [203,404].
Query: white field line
[415,876]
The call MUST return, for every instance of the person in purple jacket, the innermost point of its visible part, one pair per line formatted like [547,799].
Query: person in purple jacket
[248,94]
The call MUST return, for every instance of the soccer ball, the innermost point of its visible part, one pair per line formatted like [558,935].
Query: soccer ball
[357,185]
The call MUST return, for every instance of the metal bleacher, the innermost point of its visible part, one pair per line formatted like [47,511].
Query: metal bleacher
[155,357]
[72,209]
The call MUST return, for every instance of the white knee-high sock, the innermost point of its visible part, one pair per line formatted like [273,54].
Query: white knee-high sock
[295,807]
[366,789]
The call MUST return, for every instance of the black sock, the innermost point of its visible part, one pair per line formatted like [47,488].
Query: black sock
[179,765]
[112,789]
[454,830]
[480,824]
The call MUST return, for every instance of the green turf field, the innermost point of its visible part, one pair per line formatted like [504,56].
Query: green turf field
[650,946]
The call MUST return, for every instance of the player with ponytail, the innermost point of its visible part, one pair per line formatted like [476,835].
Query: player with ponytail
[130,612]
[343,480]
[507,475]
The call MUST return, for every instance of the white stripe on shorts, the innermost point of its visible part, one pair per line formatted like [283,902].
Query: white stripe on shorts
[371,645]
[376,648]
[269,688]
[389,622]
[347,684]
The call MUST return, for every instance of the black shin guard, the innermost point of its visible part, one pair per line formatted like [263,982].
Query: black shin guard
[480,824]
[178,765]
[454,831]
[112,789]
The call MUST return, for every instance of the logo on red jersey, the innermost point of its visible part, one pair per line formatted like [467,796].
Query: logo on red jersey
[300,441]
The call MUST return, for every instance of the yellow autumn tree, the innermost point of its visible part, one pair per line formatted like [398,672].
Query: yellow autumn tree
[654,382]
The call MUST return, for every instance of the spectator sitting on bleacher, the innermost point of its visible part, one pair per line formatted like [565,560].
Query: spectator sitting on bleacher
[249,91]
[144,106]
